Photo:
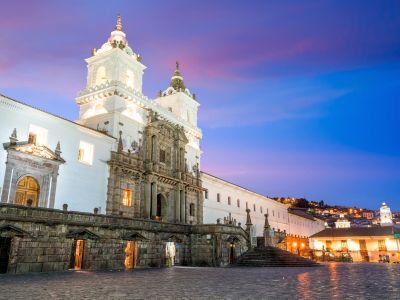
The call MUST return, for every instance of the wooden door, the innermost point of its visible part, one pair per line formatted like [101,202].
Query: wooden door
[232,256]
[5,246]
[363,245]
[27,188]
[135,253]
[131,254]
[79,250]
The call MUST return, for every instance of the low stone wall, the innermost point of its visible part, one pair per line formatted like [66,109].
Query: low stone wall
[42,240]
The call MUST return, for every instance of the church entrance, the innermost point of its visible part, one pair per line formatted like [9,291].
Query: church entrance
[159,207]
[232,254]
[170,254]
[131,254]
[27,189]
[5,246]
[77,252]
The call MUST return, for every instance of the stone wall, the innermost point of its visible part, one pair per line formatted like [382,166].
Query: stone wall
[42,240]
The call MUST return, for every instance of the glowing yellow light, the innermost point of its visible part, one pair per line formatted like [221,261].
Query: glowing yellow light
[302,245]
[294,244]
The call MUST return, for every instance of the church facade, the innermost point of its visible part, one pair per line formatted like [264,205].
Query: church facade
[127,157]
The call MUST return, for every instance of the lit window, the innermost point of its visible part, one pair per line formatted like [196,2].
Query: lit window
[218,197]
[38,135]
[127,197]
[382,245]
[32,138]
[85,152]
[238,203]
[328,245]
[229,200]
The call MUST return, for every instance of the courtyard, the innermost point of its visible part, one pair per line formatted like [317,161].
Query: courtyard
[330,281]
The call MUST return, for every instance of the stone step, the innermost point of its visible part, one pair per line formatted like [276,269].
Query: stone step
[272,257]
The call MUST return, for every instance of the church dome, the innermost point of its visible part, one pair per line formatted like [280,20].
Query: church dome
[117,39]
[177,85]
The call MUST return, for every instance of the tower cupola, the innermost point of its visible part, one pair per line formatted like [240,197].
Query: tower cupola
[117,39]
[177,80]
[177,85]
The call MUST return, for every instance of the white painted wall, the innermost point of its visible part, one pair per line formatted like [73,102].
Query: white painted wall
[279,218]
[80,185]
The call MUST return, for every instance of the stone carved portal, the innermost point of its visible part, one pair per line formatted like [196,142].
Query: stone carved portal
[31,173]
[27,189]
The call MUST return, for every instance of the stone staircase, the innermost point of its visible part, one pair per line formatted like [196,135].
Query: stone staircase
[272,257]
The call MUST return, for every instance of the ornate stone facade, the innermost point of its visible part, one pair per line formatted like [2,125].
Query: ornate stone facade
[156,178]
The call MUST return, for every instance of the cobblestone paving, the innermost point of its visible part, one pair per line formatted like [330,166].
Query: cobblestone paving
[332,281]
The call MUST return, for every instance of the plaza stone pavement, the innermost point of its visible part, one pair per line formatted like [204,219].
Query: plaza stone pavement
[331,281]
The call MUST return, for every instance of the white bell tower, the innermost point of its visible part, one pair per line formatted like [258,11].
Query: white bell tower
[115,73]
[178,99]
[182,103]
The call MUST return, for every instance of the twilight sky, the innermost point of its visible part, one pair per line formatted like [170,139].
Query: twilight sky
[297,99]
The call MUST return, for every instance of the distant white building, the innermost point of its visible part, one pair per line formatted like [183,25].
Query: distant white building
[386,218]
[342,222]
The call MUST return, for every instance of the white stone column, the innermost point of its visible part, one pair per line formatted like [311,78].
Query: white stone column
[53,188]
[5,196]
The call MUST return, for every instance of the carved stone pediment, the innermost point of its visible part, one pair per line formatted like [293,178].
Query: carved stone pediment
[82,234]
[35,150]
[173,238]
[133,236]
[11,231]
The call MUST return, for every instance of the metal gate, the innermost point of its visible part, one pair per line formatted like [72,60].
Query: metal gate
[5,245]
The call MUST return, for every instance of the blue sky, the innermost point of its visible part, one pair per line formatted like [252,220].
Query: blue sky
[297,98]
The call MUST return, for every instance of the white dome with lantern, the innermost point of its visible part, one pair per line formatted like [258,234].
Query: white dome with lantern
[117,39]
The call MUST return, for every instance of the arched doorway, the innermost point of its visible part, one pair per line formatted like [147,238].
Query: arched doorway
[160,207]
[27,189]
[233,242]
[232,254]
